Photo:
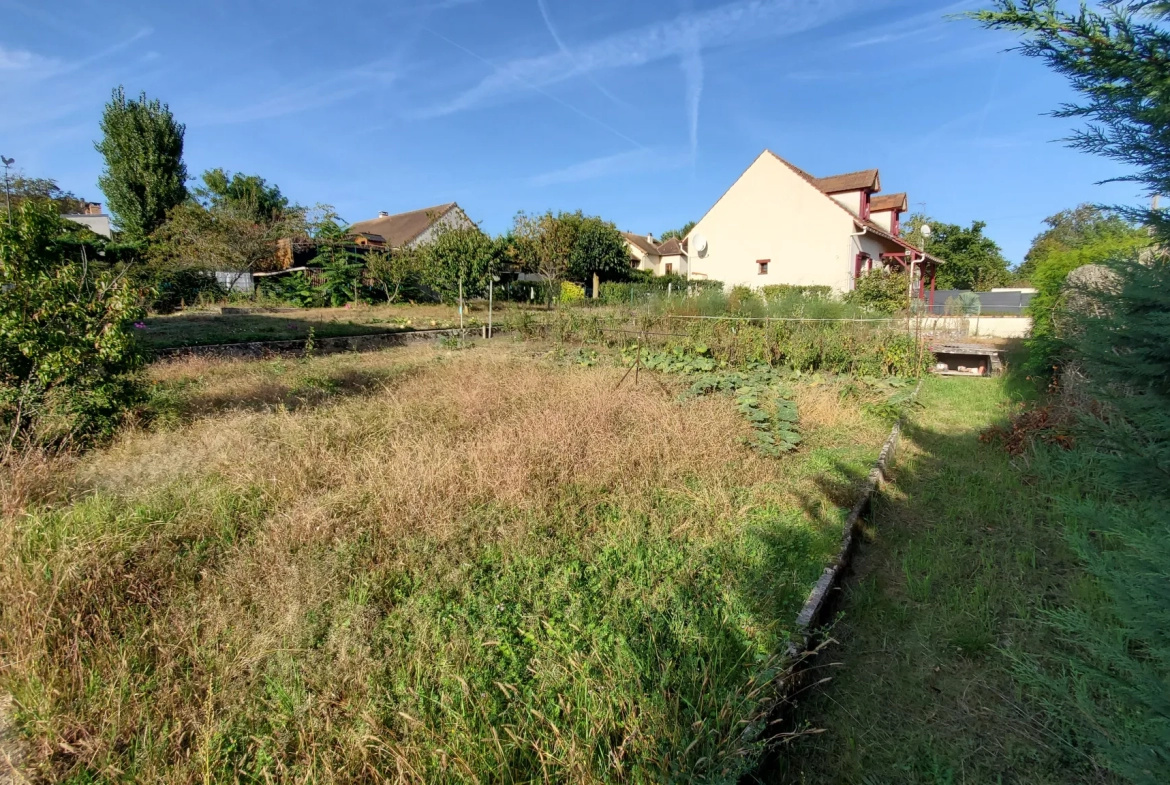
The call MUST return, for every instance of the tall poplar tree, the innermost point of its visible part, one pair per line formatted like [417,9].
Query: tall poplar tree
[144,175]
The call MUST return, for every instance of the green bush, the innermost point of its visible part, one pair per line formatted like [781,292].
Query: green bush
[779,291]
[645,285]
[174,289]
[571,293]
[67,352]
[881,291]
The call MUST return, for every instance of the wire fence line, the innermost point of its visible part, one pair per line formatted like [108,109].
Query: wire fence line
[773,318]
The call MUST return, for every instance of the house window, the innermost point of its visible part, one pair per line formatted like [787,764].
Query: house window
[669,268]
[763,265]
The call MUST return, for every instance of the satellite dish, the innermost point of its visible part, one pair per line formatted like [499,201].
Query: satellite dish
[926,230]
[700,243]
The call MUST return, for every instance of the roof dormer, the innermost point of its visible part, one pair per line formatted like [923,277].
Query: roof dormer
[852,190]
[886,211]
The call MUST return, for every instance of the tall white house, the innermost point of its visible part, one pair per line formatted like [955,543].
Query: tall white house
[778,224]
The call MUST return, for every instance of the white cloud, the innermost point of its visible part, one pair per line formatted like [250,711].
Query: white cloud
[607,166]
[729,24]
[29,63]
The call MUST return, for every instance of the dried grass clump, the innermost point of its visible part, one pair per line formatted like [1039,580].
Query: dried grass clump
[487,568]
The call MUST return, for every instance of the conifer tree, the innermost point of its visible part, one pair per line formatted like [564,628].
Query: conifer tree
[1117,56]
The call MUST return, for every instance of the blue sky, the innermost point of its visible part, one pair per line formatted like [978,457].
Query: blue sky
[643,112]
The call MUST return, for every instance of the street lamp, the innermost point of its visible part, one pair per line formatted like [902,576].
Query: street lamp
[8,162]
[925,231]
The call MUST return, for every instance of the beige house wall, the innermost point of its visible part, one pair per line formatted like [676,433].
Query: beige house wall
[773,213]
[677,262]
[850,200]
[884,219]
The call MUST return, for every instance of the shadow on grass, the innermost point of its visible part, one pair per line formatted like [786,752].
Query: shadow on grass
[207,329]
[948,587]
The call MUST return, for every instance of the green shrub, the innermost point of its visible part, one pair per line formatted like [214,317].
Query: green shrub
[571,293]
[881,291]
[645,285]
[67,353]
[779,291]
[174,289]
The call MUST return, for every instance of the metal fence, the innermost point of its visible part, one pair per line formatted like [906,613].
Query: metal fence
[990,303]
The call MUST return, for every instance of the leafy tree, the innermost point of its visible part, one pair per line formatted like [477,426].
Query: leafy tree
[67,353]
[392,271]
[1081,226]
[42,189]
[973,261]
[678,234]
[248,195]
[543,245]
[224,237]
[1083,236]
[144,176]
[1117,56]
[341,269]
[598,248]
[458,254]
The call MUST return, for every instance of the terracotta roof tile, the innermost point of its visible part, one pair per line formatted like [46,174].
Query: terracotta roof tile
[891,202]
[671,247]
[865,180]
[403,228]
[641,242]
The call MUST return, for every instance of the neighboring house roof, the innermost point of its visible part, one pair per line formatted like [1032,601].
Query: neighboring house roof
[403,228]
[671,247]
[870,225]
[640,242]
[892,202]
[377,238]
[865,180]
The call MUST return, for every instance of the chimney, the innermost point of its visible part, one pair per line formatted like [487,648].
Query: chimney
[93,208]
[650,239]
[383,214]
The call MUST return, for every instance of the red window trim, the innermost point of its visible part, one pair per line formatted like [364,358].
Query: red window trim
[895,224]
[762,266]
[864,206]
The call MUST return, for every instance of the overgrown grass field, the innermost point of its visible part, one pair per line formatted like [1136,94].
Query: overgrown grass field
[423,565]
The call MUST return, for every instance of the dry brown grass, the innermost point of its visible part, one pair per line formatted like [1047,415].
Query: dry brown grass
[268,593]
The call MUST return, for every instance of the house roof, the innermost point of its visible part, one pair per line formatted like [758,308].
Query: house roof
[870,226]
[865,180]
[899,202]
[671,247]
[640,242]
[403,228]
[377,238]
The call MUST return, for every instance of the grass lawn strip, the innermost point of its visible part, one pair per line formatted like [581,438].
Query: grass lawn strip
[422,565]
[948,594]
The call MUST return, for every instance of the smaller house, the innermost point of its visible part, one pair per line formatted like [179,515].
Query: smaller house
[672,256]
[664,258]
[92,217]
[409,230]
